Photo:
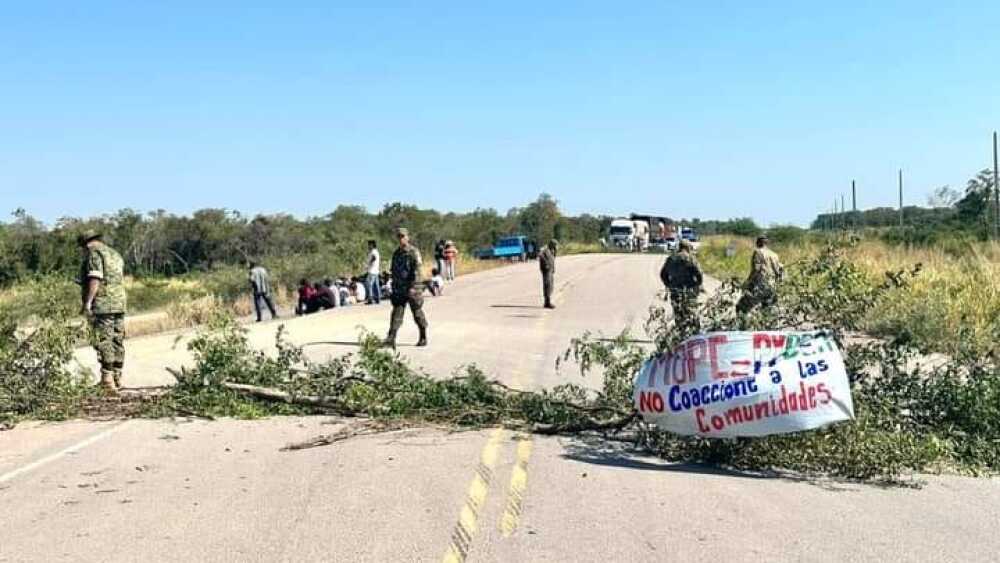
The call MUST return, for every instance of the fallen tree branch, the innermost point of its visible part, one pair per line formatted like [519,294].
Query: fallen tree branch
[553,402]
[584,426]
[277,395]
[362,428]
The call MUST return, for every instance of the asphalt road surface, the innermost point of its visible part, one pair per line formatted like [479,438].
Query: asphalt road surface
[193,490]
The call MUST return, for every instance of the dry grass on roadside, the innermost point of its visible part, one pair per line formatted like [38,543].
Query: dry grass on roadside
[953,305]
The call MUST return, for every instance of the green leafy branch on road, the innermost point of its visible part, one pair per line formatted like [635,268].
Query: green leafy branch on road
[230,378]
[35,380]
[907,418]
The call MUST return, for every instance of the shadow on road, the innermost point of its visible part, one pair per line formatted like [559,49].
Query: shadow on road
[515,306]
[610,454]
[596,451]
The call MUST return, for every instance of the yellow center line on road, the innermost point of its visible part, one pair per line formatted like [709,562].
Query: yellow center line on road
[467,525]
[515,493]
[511,518]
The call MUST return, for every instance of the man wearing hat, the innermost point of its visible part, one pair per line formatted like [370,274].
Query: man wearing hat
[407,288]
[547,264]
[102,282]
[682,277]
[765,273]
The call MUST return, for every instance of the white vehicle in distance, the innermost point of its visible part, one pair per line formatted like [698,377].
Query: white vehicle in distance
[630,235]
[689,234]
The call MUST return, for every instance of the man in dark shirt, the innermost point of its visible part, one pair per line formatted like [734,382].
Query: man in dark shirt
[547,264]
[681,274]
[407,288]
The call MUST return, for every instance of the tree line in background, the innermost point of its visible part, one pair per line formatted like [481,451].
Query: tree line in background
[158,243]
[950,214]
[164,244]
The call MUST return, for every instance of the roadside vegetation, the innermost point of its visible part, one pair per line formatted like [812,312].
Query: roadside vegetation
[952,307]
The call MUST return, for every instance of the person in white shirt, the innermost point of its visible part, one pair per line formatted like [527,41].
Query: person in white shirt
[374,293]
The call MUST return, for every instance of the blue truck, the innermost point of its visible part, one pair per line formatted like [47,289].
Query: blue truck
[515,247]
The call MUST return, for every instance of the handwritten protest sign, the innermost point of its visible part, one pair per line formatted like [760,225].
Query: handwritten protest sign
[728,384]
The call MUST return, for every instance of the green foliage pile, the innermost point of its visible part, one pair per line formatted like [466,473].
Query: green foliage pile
[374,383]
[35,380]
[908,418]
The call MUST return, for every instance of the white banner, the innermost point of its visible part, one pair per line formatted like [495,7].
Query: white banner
[728,384]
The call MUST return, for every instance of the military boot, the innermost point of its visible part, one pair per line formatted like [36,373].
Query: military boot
[549,305]
[108,382]
[118,378]
[390,340]
[423,337]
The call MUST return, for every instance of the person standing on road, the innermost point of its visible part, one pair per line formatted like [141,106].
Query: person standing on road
[102,283]
[374,268]
[547,264]
[681,274]
[450,256]
[407,288]
[439,255]
[260,284]
[766,272]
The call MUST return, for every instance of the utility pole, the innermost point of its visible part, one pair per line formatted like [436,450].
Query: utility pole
[996,191]
[843,211]
[854,204]
[900,197]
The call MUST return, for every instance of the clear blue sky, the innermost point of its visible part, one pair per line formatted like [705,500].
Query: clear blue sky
[708,109]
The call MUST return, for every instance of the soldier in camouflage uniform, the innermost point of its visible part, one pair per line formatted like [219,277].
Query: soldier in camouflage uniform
[681,274]
[765,273]
[103,297]
[407,288]
[547,264]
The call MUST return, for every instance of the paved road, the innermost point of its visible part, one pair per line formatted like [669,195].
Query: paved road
[221,491]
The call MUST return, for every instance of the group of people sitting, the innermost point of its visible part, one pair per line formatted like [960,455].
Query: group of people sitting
[342,292]
[369,288]
[330,293]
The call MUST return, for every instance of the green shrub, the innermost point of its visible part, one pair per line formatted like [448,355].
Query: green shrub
[35,380]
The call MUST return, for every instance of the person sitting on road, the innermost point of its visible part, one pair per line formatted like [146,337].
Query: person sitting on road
[359,291]
[343,291]
[306,293]
[436,284]
[323,299]
[386,281]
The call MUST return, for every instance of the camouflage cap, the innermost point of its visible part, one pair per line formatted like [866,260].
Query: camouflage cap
[554,243]
[87,235]
[400,231]
[763,238]
[685,245]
